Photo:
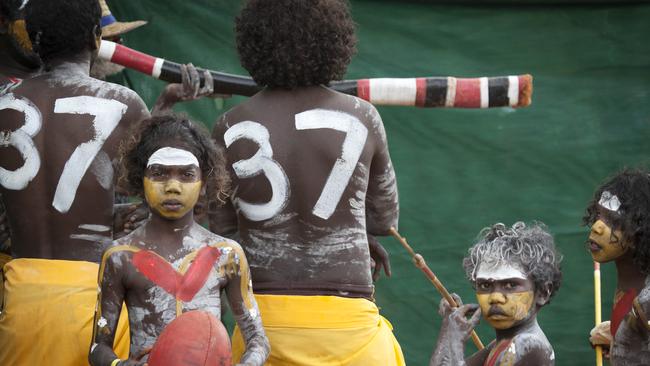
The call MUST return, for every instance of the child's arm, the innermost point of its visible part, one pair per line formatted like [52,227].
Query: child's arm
[109,306]
[240,297]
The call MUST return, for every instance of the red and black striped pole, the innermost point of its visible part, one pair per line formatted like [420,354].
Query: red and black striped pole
[428,92]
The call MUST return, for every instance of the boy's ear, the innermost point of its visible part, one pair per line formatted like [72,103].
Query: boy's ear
[203,188]
[543,295]
[97,31]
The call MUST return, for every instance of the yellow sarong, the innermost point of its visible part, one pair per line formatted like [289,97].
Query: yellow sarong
[323,331]
[48,313]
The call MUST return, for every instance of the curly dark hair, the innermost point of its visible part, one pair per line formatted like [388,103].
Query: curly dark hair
[532,247]
[63,27]
[294,43]
[632,187]
[157,132]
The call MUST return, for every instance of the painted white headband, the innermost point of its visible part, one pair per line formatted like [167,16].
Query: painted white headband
[172,156]
[498,271]
[609,201]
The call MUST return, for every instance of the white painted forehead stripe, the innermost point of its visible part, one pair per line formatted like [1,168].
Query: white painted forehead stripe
[498,272]
[172,156]
[609,201]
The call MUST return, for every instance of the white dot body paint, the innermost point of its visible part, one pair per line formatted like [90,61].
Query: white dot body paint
[355,139]
[498,271]
[102,322]
[172,156]
[609,201]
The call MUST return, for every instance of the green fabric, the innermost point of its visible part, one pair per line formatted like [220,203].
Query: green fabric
[461,170]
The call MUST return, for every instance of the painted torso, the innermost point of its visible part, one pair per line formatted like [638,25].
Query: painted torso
[321,180]
[150,306]
[63,130]
[631,344]
[528,347]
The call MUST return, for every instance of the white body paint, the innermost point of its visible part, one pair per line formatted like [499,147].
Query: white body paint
[355,139]
[96,228]
[513,90]
[498,271]
[451,92]
[393,91]
[485,92]
[609,201]
[172,156]
[21,140]
[108,114]
[261,162]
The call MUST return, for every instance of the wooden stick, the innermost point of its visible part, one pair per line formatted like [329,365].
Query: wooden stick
[422,265]
[597,308]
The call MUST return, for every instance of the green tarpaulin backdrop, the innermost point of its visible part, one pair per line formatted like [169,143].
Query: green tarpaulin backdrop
[461,170]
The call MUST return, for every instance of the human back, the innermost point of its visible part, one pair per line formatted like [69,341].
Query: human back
[306,231]
[63,129]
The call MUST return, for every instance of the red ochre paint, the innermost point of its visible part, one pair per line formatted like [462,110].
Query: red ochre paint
[161,272]
[468,93]
[421,91]
[363,89]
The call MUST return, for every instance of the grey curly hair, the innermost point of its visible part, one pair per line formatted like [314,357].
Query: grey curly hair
[530,247]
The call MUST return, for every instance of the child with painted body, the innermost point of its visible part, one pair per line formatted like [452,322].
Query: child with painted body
[619,216]
[515,272]
[313,178]
[172,161]
[59,132]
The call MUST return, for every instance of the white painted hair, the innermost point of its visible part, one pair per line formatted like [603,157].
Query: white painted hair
[609,201]
[172,156]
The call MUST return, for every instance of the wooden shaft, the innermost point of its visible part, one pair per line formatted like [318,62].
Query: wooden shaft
[598,310]
[419,262]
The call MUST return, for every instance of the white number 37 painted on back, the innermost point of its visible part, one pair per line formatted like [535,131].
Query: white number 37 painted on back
[107,113]
[262,162]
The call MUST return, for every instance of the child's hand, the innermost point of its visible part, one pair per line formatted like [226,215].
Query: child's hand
[601,335]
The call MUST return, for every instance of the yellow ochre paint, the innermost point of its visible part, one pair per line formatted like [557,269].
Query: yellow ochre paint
[601,233]
[516,306]
[18,30]
[156,193]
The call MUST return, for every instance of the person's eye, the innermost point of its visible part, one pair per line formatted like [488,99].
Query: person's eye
[484,286]
[510,285]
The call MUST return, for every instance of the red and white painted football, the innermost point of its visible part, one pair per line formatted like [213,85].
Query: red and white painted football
[196,338]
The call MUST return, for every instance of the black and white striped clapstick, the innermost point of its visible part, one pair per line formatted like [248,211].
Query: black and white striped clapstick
[485,92]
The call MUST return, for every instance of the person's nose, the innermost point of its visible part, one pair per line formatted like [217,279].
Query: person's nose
[496,298]
[598,227]
[173,186]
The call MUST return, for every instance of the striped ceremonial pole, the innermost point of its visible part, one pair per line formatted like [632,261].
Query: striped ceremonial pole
[598,313]
[428,92]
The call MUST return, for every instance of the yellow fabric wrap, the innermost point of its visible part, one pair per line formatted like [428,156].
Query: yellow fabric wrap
[48,313]
[324,330]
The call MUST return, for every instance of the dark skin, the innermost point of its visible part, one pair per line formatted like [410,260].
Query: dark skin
[530,343]
[150,307]
[39,230]
[293,250]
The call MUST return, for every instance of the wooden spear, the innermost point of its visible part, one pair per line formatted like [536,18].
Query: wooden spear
[419,262]
[597,307]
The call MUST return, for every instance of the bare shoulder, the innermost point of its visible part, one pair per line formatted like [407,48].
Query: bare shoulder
[532,349]
[367,113]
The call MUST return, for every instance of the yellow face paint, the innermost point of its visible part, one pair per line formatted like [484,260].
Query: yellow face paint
[504,310]
[171,198]
[18,30]
[603,246]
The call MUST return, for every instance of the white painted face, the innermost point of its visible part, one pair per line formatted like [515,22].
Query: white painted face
[172,156]
[498,271]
